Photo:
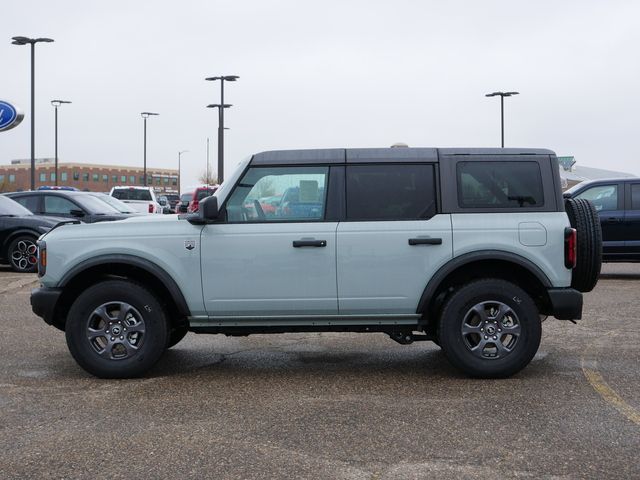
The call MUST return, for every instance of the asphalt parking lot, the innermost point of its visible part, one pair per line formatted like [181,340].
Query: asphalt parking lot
[343,406]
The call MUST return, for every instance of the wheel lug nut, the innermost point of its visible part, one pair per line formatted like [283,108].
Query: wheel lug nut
[495,338]
[122,338]
[112,339]
[125,329]
[482,330]
[485,337]
[499,330]
[107,331]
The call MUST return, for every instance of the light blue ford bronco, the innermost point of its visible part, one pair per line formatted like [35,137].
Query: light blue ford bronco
[468,248]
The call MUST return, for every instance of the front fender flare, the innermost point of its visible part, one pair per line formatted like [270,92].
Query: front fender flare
[148,266]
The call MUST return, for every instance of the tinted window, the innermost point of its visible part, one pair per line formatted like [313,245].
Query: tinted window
[279,194]
[132,194]
[499,185]
[29,202]
[390,192]
[604,197]
[200,194]
[58,205]
[635,196]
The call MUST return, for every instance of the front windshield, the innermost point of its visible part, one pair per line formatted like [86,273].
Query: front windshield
[11,207]
[94,205]
[113,202]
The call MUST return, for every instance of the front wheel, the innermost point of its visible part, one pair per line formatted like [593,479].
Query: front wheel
[116,329]
[23,254]
[490,328]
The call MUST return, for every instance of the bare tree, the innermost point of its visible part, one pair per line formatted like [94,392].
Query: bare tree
[212,180]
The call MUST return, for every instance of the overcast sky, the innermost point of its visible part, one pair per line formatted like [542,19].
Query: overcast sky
[324,74]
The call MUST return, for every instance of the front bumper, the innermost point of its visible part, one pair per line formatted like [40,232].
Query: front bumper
[44,301]
[566,303]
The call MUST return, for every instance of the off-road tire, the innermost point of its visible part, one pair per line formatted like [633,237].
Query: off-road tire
[519,309]
[145,309]
[583,216]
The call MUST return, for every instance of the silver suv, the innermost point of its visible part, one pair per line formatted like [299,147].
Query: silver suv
[468,248]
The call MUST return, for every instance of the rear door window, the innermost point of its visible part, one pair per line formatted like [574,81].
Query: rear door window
[390,192]
[30,202]
[499,185]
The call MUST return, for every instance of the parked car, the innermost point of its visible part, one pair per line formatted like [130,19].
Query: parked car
[19,232]
[197,196]
[183,206]
[142,199]
[469,248]
[617,201]
[68,204]
[174,201]
[115,203]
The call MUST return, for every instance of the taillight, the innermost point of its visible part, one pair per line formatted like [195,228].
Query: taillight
[151,208]
[570,247]
[42,258]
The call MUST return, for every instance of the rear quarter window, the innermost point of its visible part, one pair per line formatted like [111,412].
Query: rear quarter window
[499,184]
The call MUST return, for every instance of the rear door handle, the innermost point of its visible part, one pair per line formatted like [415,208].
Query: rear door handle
[425,241]
[614,220]
[309,243]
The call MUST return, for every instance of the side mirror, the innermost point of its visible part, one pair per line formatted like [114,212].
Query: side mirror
[76,213]
[208,208]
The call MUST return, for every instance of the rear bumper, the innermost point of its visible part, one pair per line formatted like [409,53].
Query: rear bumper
[44,301]
[566,303]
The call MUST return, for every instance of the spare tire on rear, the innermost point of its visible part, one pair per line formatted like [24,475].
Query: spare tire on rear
[584,218]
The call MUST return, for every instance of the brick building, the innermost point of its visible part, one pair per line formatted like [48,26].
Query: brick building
[83,176]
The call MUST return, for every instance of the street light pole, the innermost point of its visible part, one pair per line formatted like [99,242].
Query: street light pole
[227,78]
[146,115]
[501,95]
[221,130]
[32,42]
[180,155]
[56,104]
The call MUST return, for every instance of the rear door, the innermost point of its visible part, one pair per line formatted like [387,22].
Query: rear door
[392,240]
[632,218]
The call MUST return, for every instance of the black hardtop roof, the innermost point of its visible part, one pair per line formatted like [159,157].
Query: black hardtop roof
[374,155]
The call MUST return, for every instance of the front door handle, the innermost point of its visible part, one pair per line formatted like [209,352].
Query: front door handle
[425,241]
[309,243]
[614,220]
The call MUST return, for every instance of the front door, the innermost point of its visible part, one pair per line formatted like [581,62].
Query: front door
[609,202]
[275,254]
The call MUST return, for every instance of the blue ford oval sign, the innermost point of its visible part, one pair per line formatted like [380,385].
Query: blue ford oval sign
[10,116]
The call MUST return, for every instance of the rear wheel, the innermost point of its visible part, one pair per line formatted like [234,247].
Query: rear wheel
[490,328]
[583,216]
[116,329]
[23,254]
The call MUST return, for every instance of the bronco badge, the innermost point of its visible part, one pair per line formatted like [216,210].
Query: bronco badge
[189,244]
